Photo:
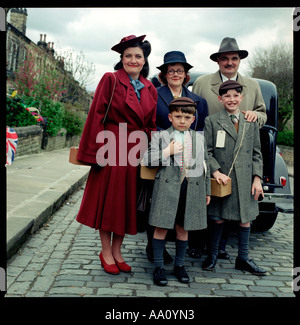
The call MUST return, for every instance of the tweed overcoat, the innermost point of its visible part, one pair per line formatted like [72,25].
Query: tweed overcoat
[167,184]
[240,205]
[164,99]
[109,200]
[207,86]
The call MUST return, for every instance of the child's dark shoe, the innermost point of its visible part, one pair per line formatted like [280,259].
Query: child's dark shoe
[249,266]
[181,274]
[159,276]
[209,263]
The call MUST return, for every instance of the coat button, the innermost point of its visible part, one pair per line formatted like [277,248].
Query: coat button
[167,181]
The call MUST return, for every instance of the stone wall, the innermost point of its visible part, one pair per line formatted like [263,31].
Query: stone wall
[30,140]
[287,154]
[62,140]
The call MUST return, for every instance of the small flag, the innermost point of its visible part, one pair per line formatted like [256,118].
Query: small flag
[11,145]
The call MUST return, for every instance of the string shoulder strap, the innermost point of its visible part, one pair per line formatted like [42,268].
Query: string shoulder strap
[111,97]
[243,135]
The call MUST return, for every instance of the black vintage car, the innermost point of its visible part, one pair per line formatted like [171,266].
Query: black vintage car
[276,182]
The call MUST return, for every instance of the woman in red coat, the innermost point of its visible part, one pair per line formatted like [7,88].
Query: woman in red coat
[109,200]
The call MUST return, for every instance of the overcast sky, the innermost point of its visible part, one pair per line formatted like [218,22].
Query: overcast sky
[195,31]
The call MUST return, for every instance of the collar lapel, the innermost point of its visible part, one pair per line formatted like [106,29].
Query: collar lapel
[242,81]
[227,125]
[165,94]
[131,98]
[242,124]
[216,82]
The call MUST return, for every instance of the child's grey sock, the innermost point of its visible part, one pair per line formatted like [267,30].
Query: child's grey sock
[215,233]
[243,242]
[181,246]
[158,252]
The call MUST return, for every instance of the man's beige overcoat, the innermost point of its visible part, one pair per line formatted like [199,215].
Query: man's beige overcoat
[207,86]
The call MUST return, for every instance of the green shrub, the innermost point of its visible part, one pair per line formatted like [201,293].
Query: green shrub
[73,122]
[53,112]
[286,138]
[17,115]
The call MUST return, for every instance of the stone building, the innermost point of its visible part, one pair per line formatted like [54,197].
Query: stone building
[18,45]
[32,139]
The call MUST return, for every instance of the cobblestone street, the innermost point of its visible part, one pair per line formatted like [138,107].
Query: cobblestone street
[61,260]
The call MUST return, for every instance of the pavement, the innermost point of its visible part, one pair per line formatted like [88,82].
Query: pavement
[37,186]
[51,255]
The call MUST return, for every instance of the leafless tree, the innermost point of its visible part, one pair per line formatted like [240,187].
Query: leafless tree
[78,73]
[276,64]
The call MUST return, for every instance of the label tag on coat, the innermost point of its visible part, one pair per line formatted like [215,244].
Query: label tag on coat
[220,143]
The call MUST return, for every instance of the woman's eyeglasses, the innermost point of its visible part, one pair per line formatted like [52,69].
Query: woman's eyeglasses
[171,72]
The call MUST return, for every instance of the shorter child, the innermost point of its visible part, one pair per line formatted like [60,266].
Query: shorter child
[182,186]
[233,144]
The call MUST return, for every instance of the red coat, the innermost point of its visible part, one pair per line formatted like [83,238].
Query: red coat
[109,200]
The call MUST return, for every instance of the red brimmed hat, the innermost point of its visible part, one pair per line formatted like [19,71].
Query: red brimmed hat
[127,42]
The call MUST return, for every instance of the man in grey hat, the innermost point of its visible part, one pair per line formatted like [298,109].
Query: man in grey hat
[228,58]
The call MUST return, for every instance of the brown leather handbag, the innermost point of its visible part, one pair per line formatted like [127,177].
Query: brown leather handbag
[73,157]
[147,173]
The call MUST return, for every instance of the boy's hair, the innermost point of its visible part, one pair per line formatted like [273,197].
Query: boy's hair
[230,84]
[183,109]
[183,104]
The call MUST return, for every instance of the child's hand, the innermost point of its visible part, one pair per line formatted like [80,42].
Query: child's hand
[207,199]
[218,176]
[257,188]
[172,149]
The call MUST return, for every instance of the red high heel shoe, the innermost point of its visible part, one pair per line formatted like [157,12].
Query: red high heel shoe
[109,268]
[123,267]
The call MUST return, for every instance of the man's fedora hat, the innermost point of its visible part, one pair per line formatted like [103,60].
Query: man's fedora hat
[182,101]
[127,42]
[173,57]
[229,45]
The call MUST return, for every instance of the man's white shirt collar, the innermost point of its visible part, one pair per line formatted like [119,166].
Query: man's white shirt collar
[224,78]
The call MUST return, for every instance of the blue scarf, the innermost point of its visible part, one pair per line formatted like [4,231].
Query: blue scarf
[137,85]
